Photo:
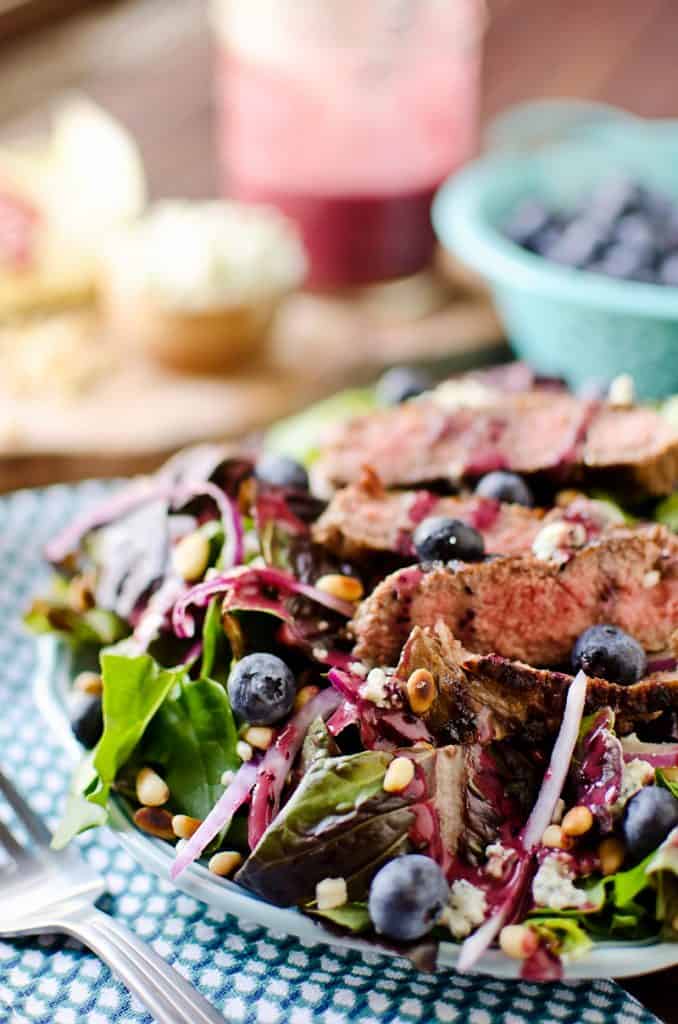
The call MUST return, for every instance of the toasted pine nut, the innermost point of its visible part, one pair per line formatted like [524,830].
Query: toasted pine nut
[577,821]
[421,690]
[156,821]
[518,941]
[244,751]
[612,853]
[346,588]
[398,775]
[556,838]
[191,555]
[184,826]
[225,863]
[80,596]
[259,736]
[90,683]
[152,791]
[566,497]
[331,893]
[304,695]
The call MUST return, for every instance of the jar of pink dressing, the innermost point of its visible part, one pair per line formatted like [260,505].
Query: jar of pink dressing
[347,115]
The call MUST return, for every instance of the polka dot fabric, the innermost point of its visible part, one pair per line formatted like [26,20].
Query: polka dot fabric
[250,974]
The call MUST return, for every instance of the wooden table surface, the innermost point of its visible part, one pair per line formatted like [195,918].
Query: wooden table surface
[149,62]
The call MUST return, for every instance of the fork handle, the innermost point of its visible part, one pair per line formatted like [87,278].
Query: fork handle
[165,993]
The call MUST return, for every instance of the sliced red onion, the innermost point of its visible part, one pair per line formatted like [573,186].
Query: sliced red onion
[414,731]
[668,664]
[234,549]
[201,595]
[345,715]
[542,813]
[659,755]
[156,613]
[233,797]
[278,760]
[137,493]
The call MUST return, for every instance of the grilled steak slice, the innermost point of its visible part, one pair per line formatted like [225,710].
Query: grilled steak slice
[363,518]
[484,698]
[541,432]
[528,609]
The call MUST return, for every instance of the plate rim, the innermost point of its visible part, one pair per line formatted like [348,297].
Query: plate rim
[604,960]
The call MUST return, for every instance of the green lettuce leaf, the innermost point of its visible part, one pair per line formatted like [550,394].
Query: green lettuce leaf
[662,780]
[354,917]
[216,650]
[666,512]
[563,936]
[94,627]
[299,436]
[192,740]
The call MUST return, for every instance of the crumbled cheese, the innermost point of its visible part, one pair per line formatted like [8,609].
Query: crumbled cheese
[331,893]
[375,687]
[244,750]
[320,653]
[651,579]
[227,777]
[499,859]
[465,910]
[553,885]
[635,775]
[358,669]
[464,394]
[622,390]
[555,541]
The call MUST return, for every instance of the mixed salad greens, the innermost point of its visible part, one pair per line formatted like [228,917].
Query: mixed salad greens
[220,698]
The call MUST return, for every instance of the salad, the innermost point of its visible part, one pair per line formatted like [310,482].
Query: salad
[226,621]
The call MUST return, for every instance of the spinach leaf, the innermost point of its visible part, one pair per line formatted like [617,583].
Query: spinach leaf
[94,627]
[216,650]
[193,739]
[354,917]
[666,512]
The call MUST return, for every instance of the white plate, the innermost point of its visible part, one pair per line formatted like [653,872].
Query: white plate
[605,960]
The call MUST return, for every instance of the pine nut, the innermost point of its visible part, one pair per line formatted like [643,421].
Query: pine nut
[259,736]
[155,821]
[331,893]
[611,853]
[190,556]
[225,863]
[80,596]
[152,791]
[184,826]
[90,683]
[577,821]
[398,775]
[304,695]
[555,837]
[346,588]
[518,941]
[244,751]
[421,690]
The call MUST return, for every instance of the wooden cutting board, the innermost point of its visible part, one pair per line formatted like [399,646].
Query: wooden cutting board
[135,412]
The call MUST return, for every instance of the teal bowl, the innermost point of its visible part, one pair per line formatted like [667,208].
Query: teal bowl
[574,324]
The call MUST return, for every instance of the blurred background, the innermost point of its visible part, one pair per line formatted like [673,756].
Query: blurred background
[126,333]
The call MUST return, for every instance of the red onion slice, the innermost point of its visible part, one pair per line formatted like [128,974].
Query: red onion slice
[233,797]
[230,517]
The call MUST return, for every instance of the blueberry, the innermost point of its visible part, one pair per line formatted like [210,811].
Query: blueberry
[527,222]
[281,471]
[87,720]
[635,230]
[579,243]
[668,271]
[402,383]
[613,198]
[261,689]
[441,539]
[624,261]
[609,653]
[648,818]
[505,486]
[407,896]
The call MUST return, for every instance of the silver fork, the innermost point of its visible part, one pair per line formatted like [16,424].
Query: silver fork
[42,891]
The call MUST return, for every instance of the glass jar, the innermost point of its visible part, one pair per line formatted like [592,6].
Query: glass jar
[347,115]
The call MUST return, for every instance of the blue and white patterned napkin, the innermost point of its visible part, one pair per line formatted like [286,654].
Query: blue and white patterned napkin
[250,974]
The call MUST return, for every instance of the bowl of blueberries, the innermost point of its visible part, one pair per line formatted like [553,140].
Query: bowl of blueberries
[575,230]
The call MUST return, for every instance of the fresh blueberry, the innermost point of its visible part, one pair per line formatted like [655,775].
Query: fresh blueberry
[407,896]
[635,230]
[261,689]
[607,652]
[281,471]
[401,383]
[613,198]
[579,243]
[668,271]
[505,486]
[527,222]
[649,816]
[624,260]
[87,720]
[441,539]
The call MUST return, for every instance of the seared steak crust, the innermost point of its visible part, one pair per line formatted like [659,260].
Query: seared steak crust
[530,610]
[483,698]
[540,432]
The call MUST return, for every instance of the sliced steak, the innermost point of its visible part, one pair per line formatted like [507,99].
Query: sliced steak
[484,698]
[527,609]
[540,432]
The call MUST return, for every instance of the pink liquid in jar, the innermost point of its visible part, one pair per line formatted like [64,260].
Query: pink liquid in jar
[347,116]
